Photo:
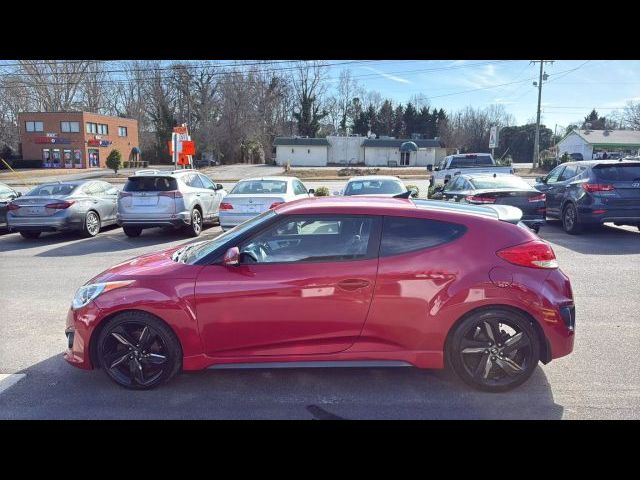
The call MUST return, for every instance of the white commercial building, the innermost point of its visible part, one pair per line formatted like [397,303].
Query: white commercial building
[381,152]
[593,143]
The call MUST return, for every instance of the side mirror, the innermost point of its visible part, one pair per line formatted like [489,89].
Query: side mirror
[540,180]
[429,168]
[414,192]
[437,169]
[231,257]
[219,186]
[311,191]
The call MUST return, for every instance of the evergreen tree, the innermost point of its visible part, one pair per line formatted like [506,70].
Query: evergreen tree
[410,120]
[385,119]
[398,122]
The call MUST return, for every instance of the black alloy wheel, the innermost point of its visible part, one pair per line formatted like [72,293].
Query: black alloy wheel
[570,222]
[494,350]
[138,351]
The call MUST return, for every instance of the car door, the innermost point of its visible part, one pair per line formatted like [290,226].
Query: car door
[304,286]
[299,190]
[559,190]
[549,187]
[95,200]
[109,194]
[202,195]
[215,196]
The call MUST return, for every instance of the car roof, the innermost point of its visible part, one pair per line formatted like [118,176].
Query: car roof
[361,178]
[473,176]
[592,163]
[387,205]
[70,182]
[257,179]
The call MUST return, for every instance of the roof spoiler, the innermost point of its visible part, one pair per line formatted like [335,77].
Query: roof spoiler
[506,213]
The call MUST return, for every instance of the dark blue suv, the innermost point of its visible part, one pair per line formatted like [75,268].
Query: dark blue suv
[593,192]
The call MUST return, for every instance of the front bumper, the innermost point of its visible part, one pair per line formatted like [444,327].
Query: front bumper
[79,326]
[150,220]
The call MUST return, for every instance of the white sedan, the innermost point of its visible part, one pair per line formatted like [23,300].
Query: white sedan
[374,185]
[252,196]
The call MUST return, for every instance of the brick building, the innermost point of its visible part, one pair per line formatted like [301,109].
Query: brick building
[75,139]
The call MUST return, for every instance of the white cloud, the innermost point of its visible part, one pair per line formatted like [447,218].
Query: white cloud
[388,76]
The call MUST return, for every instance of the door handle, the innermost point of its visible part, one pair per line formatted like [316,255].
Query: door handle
[353,284]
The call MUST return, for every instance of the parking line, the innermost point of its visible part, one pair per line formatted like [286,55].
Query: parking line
[8,380]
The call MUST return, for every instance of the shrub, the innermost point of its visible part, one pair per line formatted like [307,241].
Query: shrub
[322,192]
[414,187]
[351,172]
[114,160]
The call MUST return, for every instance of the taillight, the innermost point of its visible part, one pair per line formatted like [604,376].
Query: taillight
[479,199]
[538,198]
[275,204]
[13,206]
[171,194]
[597,187]
[226,206]
[534,254]
[59,205]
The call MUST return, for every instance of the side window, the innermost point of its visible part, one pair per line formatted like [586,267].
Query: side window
[206,182]
[455,184]
[569,172]
[313,238]
[194,181]
[92,189]
[555,173]
[298,188]
[403,234]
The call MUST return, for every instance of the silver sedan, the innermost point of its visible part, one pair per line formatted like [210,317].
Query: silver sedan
[85,206]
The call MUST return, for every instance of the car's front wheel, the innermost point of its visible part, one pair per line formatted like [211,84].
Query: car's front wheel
[138,351]
[494,350]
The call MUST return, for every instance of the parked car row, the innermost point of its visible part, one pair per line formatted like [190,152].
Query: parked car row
[180,199]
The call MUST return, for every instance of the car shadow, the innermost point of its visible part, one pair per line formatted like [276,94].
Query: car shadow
[52,389]
[603,240]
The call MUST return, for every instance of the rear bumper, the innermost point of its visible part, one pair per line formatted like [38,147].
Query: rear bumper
[52,224]
[557,315]
[602,214]
[230,220]
[149,220]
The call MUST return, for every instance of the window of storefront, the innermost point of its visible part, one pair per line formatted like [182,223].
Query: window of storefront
[66,154]
[103,129]
[122,131]
[70,127]
[77,158]
[55,157]
[34,126]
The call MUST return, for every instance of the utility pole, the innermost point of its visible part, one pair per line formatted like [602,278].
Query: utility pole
[536,146]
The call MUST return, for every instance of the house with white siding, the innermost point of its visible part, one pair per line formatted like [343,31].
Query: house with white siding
[352,150]
[593,143]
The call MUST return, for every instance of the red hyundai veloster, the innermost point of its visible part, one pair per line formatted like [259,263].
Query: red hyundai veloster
[335,282]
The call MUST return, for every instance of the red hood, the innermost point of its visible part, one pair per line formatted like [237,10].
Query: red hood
[156,264]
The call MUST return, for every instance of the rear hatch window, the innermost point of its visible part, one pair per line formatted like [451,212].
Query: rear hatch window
[622,172]
[471,161]
[151,184]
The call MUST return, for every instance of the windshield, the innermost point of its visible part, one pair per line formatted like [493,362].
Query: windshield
[374,187]
[202,249]
[471,160]
[260,186]
[53,189]
[4,191]
[499,181]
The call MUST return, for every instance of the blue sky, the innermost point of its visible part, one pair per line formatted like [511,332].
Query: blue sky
[574,87]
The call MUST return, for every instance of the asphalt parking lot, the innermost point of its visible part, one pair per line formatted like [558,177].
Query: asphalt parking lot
[601,379]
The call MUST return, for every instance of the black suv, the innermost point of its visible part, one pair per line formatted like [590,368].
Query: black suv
[592,192]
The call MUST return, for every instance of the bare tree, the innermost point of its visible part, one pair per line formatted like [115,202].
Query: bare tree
[631,116]
[309,87]
[348,89]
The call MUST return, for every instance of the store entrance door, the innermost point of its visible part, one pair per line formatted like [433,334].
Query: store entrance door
[94,158]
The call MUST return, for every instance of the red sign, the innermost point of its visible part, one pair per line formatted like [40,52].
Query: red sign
[181,130]
[188,147]
[53,140]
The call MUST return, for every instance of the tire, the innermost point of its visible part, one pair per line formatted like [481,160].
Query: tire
[155,359]
[480,362]
[195,228]
[91,224]
[30,234]
[570,223]
[132,231]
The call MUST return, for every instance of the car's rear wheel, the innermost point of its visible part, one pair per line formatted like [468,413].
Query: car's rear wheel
[91,226]
[570,223]
[195,229]
[132,231]
[30,234]
[138,351]
[494,350]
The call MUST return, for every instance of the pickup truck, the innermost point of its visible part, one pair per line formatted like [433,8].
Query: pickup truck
[465,163]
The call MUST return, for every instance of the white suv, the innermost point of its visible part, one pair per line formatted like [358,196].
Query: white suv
[179,199]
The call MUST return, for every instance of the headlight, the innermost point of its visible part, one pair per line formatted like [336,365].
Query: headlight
[90,292]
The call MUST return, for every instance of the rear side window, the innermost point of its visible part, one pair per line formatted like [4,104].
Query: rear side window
[402,234]
[618,173]
[150,184]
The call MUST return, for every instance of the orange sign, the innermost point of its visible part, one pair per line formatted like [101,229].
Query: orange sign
[188,147]
[181,130]
[183,159]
